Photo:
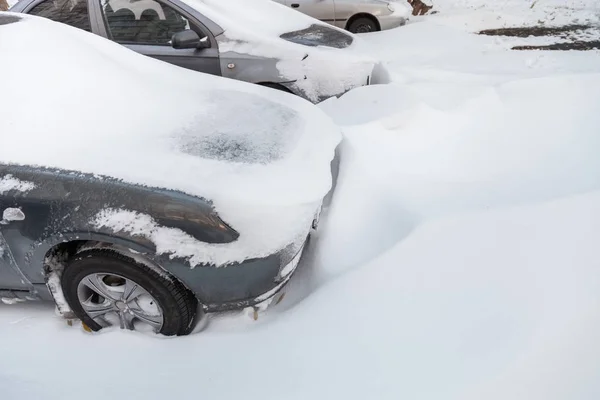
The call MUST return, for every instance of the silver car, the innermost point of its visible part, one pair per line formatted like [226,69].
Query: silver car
[356,16]
[256,41]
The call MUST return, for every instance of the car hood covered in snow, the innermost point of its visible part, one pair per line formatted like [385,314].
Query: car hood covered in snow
[100,108]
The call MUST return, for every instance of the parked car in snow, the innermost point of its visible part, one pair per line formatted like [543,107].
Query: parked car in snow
[137,194]
[257,41]
[356,16]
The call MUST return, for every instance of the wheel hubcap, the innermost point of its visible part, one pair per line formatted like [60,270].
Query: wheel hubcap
[364,28]
[112,300]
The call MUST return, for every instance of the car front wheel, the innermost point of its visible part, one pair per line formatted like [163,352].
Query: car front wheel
[105,288]
[363,25]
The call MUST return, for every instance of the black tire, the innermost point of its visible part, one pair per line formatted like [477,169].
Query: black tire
[276,86]
[363,25]
[175,300]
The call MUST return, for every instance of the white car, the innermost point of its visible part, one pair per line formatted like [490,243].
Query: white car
[356,16]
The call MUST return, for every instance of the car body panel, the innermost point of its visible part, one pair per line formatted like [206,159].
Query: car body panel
[11,277]
[323,10]
[61,208]
[249,68]
[346,9]
[340,12]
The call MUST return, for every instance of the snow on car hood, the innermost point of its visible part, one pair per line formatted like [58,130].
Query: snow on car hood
[256,27]
[97,107]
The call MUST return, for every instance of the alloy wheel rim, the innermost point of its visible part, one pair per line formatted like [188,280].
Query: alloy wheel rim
[113,300]
[363,28]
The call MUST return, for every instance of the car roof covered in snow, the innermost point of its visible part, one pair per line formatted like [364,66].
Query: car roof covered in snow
[259,16]
[76,101]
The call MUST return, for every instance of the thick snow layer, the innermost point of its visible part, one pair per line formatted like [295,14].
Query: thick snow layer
[244,147]
[444,269]
[264,17]
[254,27]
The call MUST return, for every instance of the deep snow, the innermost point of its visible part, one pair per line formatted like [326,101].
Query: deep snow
[458,260]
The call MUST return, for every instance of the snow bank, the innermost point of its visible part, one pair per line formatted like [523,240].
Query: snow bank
[470,307]
[477,146]
[466,125]
[238,145]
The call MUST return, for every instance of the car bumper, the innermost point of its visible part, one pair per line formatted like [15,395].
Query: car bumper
[283,276]
[392,21]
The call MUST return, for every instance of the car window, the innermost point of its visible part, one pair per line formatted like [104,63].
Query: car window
[70,12]
[319,35]
[142,21]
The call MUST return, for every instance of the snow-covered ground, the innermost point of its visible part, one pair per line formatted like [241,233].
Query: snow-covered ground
[458,259]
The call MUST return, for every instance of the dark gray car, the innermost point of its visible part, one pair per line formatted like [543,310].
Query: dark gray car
[300,54]
[102,271]
[140,195]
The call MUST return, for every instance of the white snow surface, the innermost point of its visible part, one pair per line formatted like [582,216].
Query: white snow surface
[264,17]
[9,182]
[241,146]
[459,258]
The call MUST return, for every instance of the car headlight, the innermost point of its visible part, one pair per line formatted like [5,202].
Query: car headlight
[391,7]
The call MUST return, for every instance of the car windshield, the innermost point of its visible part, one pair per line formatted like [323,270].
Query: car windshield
[319,35]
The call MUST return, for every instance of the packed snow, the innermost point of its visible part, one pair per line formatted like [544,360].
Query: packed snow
[459,257]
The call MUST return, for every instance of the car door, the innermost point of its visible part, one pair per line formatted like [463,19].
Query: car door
[146,27]
[323,10]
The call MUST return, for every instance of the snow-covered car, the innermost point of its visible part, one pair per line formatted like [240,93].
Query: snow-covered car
[356,16]
[257,41]
[136,193]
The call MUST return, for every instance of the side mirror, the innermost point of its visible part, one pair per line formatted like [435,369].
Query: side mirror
[189,39]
